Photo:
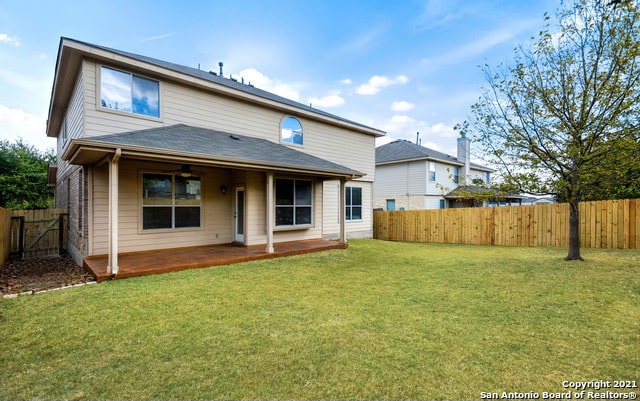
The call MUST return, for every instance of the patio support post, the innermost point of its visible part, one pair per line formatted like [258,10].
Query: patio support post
[343,206]
[112,266]
[270,210]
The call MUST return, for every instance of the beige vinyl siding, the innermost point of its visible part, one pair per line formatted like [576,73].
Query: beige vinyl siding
[256,202]
[196,107]
[331,213]
[340,146]
[215,211]
[74,123]
[306,233]
[99,226]
[185,105]
[99,121]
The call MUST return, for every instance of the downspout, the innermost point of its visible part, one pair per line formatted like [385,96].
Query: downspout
[112,267]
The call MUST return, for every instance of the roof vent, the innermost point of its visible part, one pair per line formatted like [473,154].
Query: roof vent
[220,64]
[235,137]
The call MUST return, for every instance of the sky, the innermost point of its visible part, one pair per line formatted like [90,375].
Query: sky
[401,66]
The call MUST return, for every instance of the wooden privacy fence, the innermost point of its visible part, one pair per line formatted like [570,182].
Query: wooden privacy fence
[38,232]
[603,224]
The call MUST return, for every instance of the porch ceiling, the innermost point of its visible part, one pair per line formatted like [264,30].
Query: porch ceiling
[193,145]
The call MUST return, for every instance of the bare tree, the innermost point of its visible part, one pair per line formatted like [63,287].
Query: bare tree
[567,105]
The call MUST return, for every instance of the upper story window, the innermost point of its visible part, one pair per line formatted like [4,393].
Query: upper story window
[123,91]
[456,174]
[432,171]
[291,131]
[487,177]
[63,130]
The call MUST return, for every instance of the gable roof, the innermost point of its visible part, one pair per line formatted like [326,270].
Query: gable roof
[194,145]
[401,151]
[466,191]
[71,52]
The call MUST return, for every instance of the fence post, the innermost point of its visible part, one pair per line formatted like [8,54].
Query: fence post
[60,233]
[21,236]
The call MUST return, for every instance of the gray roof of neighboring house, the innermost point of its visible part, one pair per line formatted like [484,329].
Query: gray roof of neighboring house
[468,190]
[403,150]
[218,145]
[214,77]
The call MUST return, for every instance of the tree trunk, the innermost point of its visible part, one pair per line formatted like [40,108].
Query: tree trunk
[574,231]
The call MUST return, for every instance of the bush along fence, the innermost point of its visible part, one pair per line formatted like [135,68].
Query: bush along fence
[603,224]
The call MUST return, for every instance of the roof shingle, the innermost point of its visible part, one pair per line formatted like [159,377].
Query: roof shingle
[215,145]
[403,150]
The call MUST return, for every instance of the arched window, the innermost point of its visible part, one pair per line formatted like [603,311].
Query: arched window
[291,131]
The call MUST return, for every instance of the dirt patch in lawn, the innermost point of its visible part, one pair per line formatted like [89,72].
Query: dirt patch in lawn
[38,274]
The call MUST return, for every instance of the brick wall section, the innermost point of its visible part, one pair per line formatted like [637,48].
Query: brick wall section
[408,202]
[71,193]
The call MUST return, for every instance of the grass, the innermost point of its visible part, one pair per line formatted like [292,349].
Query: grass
[379,320]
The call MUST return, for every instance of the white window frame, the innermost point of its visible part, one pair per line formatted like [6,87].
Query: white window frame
[290,140]
[432,171]
[173,205]
[126,112]
[293,226]
[349,205]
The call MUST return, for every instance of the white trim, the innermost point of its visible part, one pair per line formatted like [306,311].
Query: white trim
[240,238]
[342,200]
[271,207]
[112,266]
[131,113]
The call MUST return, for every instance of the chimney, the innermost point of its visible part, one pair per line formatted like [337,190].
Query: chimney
[220,64]
[464,157]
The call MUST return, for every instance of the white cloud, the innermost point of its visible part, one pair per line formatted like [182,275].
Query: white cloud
[157,37]
[377,82]
[346,81]
[259,80]
[473,49]
[402,106]
[327,101]
[12,40]
[17,123]
[362,42]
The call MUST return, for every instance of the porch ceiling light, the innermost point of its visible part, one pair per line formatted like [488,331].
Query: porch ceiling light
[185,171]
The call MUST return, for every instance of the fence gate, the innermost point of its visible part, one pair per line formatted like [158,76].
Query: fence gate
[38,232]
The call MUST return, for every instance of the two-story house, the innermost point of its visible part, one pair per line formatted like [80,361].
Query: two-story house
[155,155]
[413,177]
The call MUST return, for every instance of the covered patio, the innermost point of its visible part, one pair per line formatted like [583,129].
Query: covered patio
[136,264]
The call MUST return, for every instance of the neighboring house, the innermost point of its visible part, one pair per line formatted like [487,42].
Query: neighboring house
[413,177]
[155,155]
[537,200]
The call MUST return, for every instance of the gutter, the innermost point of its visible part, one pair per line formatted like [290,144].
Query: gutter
[141,153]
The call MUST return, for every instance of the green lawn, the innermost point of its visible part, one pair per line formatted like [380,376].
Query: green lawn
[379,320]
